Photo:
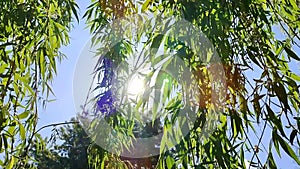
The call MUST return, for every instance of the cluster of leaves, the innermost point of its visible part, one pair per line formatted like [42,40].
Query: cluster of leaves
[31,33]
[242,33]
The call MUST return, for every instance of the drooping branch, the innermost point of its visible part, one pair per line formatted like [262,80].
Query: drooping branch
[54,125]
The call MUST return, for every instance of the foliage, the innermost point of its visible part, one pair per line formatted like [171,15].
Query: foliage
[68,149]
[31,33]
[242,33]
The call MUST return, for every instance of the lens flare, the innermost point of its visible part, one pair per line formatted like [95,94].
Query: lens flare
[135,87]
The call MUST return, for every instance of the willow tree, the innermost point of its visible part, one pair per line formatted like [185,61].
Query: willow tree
[260,114]
[31,34]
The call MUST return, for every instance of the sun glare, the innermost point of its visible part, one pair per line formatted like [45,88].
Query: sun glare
[136,86]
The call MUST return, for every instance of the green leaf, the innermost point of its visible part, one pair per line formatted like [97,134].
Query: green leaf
[146,5]
[285,146]
[16,88]
[293,135]
[236,122]
[163,142]
[291,53]
[298,122]
[170,162]
[74,8]
[293,3]
[11,130]
[157,40]
[23,115]
[256,106]
[275,120]
[1,150]
[22,131]
[294,76]
[271,161]
[159,59]
[31,91]
[11,163]
[275,141]
[242,158]
[253,58]
[281,94]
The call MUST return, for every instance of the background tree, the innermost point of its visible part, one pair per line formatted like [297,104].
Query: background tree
[67,148]
[31,33]
[242,32]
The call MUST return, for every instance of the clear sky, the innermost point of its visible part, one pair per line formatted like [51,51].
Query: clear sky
[63,108]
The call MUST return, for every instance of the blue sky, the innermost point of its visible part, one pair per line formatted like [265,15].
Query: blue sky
[63,108]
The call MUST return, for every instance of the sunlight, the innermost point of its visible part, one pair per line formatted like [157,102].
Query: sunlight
[135,87]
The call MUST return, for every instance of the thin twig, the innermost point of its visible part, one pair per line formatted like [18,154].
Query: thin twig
[55,124]
[259,141]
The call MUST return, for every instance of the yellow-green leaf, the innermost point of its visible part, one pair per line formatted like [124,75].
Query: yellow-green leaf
[146,5]
[22,131]
[23,115]
[11,163]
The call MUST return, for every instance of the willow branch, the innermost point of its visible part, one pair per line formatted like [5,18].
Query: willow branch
[54,125]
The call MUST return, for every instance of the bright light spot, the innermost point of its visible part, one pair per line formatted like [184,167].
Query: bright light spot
[135,87]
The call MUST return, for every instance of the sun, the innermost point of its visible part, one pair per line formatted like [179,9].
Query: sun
[135,87]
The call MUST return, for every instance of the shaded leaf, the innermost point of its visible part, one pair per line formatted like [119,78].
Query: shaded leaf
[285,146]
[291,53]
[293,135]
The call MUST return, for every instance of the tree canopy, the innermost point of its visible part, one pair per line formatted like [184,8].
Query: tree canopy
[67,148]
[255,107]
[262,87]
[31,33]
